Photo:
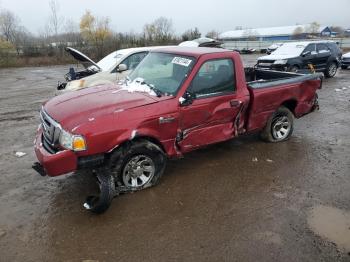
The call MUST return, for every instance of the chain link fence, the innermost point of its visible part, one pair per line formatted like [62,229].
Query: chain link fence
[343,43]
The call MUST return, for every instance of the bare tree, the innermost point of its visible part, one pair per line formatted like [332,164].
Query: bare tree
[160,31]
[298,33]
[313,28]
[55,21]
[21,39]
[191,34]
[8,25]
[213,34]
[72,34]
[149,31]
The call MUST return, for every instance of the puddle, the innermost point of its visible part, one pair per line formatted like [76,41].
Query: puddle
[331,223]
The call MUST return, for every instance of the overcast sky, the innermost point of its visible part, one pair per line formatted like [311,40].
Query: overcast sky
[221,15]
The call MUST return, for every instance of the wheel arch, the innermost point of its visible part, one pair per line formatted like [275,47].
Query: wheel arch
[291,104]
[333,60]
[138,138]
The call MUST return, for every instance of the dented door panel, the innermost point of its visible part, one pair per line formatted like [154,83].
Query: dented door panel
[208,120]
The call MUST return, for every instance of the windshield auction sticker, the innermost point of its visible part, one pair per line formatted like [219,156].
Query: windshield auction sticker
[181,61]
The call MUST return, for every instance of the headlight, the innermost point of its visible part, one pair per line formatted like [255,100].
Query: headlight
[280,62]
[72,142]
[75,84]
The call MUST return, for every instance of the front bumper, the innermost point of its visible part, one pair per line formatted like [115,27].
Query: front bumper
[60,163]
[345,62]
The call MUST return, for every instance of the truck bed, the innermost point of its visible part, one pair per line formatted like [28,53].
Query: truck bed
[271,89]
[260,78]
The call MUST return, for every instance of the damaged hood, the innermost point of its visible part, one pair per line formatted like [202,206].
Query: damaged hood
[74,108]
[85,60]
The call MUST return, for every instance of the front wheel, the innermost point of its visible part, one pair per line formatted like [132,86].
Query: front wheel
[138,165]
[331,70]
[294,69]
[344,67]
[279,127]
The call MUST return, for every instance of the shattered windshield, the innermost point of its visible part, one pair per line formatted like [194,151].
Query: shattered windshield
[163,73]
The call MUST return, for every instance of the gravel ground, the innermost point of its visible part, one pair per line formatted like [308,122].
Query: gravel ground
[216,204]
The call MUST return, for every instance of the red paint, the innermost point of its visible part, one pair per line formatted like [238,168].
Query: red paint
[55,164]
[107,116]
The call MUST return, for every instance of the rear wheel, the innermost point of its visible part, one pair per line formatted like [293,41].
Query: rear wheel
[344,67]
[331,70]
[279,127]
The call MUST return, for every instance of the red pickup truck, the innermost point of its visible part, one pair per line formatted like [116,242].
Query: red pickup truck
[177,100]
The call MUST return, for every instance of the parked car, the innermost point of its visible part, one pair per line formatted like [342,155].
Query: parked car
[114,67]
[177,100]
[90,67]
[202,42]
[345,61]
[247,51]
[273,47]
[324,56]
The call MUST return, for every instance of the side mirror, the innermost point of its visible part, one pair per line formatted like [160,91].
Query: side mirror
[122,68]
[187,99]
[306,53]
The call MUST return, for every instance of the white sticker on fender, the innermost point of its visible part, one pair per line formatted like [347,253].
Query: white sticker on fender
[181,61]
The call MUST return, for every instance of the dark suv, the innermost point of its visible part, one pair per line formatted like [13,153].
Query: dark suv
[322,56]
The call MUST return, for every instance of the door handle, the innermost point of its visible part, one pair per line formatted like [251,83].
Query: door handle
[235,103]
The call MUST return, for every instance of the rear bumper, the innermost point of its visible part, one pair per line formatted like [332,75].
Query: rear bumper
[62,162]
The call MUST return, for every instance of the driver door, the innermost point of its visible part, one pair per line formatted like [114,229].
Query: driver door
[310,58]
[323,53]
[212,115]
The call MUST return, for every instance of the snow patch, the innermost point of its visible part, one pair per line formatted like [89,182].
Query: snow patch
[138,85]
[20,154]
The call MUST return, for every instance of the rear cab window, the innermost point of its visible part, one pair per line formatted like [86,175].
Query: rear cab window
[215,77]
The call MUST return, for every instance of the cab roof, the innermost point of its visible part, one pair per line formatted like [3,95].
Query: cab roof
[191,51]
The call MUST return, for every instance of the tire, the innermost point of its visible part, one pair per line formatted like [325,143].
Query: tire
[138,165]
[294,69]
[331,70]
[100,203]
[279,127]
[344,67]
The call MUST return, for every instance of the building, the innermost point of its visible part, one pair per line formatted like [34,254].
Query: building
[277,33]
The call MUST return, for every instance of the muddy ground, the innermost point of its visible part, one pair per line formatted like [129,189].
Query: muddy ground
[216,204]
